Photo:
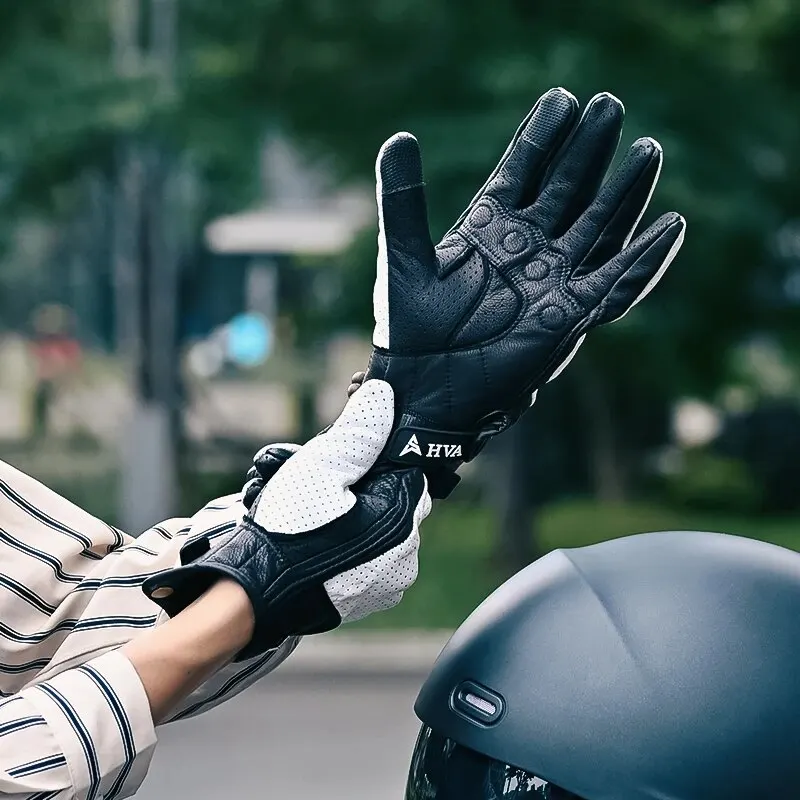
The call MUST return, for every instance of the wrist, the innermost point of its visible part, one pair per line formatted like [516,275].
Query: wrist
[225,615]
[175,658]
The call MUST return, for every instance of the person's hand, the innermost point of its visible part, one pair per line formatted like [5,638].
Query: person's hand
[324,542]
[468,330]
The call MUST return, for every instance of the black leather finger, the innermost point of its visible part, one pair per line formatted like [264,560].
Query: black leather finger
[252,489]
[626,279]
[579,170]
[603,230]
[269,460]
[533,148]
[266,463]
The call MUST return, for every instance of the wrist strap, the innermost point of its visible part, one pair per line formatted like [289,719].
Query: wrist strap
[411,445]
[440,453]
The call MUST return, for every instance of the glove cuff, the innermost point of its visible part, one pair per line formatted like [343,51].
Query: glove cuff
[310,611]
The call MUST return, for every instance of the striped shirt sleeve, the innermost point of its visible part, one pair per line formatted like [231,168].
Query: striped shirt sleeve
[74,719]
[212,521]
[85,734]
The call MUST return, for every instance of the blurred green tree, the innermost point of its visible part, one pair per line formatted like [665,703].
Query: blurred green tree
[716,81]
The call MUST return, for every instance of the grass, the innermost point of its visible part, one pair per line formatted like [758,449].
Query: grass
[455,561]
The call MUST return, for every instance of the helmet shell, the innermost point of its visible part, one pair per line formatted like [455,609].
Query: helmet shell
[661,665]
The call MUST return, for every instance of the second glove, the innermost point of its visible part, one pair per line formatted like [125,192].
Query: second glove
[324,542]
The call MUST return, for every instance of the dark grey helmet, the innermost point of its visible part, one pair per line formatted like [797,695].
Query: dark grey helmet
[663,666]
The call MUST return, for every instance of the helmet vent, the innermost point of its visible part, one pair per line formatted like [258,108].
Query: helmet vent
[476,703]
[490,709]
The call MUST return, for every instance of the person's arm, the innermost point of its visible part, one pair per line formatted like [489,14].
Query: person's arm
[214,521]
[87,576]
[173,659]
[89,731]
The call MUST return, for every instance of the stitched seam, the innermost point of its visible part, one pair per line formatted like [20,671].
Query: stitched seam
[448,383]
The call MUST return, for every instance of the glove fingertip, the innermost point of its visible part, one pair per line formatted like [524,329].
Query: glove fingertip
[399,164]
[549,117]
[561,91]
[559,99]
[667,229]
[674,218]
[609,100]
[250,492]
[649,142]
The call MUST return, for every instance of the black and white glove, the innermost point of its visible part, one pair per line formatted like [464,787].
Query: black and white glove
[468,330]
[324,542]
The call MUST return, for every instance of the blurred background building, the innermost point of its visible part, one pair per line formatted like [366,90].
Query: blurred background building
[187,251]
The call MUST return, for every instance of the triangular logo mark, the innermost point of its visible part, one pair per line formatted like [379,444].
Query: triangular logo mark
[412,446]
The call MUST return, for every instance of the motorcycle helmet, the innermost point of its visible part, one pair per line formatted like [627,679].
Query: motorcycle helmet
[661,666]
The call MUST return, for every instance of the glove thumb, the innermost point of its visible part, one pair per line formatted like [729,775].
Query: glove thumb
[406,254]
[354,441]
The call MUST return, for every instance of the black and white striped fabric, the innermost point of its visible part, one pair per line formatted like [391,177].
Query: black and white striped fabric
[73,712]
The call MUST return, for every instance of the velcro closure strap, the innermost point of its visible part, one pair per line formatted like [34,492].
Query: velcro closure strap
[440,453]
[424,447]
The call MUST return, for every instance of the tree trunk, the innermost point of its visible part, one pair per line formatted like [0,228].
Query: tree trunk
[605,459]
[308,421]
[517,499]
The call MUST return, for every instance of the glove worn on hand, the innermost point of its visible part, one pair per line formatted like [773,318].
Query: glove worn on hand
[467,331]
[324,542]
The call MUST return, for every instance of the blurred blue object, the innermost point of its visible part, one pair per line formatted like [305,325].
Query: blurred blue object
[249,339]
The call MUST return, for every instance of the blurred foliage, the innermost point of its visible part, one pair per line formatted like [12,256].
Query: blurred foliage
[708,482]
[716,81]
[197,489]
[765,442]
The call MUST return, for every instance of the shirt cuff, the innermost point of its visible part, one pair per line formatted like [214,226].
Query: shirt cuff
[100,715]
